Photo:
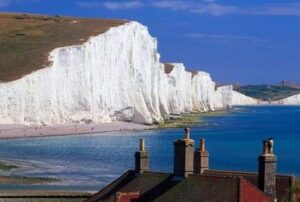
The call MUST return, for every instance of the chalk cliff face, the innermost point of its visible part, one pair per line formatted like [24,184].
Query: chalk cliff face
[114,76]
[292,100]
[241,99]
[223,97]
[227,97]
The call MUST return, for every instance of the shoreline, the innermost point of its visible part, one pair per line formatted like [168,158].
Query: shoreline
[15,131]
[19,131]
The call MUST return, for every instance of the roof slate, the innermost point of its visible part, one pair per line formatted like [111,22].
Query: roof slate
[203,188]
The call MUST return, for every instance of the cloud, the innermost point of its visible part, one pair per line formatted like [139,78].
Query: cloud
[213,9]
[123,5]
[208,1]
[209,7]
[174,5]
[4,3]
[291,9]
[111,4]
[204,7]
[223,37]
[84,4]
[7,3]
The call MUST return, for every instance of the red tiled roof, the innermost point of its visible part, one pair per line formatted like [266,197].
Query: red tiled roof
[283,182]
[250,193]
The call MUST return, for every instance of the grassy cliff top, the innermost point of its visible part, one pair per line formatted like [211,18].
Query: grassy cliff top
[26,39]
[269,92]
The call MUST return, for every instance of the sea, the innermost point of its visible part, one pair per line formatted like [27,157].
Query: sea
[89,162]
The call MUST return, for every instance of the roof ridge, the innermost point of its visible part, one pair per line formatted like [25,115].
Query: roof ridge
[232,171]
[214,176]
[244,172]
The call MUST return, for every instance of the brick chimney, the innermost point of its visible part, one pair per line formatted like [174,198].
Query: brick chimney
[201,157]
[267,169]
[184,155]
[141,158]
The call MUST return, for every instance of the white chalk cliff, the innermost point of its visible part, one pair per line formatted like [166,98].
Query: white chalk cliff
[113,76]
[241,99]
[292,100]
[227,97]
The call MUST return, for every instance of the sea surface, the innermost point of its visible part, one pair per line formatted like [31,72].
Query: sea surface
[89,162]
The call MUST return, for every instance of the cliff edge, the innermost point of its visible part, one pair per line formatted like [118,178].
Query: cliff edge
[115,75]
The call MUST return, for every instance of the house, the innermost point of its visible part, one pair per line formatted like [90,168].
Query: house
[192,180]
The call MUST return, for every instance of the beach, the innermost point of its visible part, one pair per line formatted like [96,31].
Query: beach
[11,131]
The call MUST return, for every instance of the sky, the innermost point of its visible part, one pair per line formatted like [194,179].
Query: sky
[236,41]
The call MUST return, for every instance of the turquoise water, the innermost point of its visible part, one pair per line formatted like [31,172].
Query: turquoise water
[89,162]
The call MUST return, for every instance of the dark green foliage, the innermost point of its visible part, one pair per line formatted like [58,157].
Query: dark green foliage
[33,180]
[5,166]
[181,121]
[268,92]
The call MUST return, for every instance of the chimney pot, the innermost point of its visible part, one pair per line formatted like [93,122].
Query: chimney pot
[265,147]
[142,145]
[270,145]
[202,145]
[141,158]
[187,133]
[201,158]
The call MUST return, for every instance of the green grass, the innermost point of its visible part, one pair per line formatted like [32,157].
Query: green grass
[4,166]
[187,120]
[215,113]
[183,120]
[268,92]
[32,180]
[26,180]
[21,179]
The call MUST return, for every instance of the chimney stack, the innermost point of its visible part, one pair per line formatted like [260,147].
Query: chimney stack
[184,155]
[201,158]
[141,158]
[267,169]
